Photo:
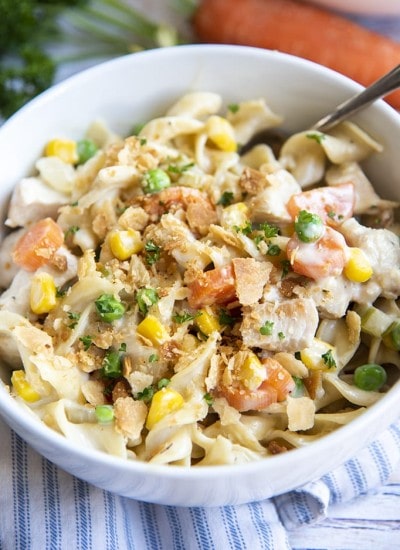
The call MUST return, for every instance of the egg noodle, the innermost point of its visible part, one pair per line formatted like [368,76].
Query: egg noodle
[169,298]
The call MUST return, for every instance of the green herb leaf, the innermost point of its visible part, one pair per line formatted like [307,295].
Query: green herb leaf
[316,136]
[184,317]
[225,318]
[86,341]
[226,198]
[244,229]
[233,107]
[328,359]
[269,230]
[146,395]
[208,399]
[74,317]
[153,252]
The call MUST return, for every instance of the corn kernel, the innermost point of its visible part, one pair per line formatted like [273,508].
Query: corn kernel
[207,322]
[252,372]
[234,215]
[221,133]
[64,149]
[358,267]
[319,356]
[43,293]
[151,329]
[164,402]
[23,388]
[125,243]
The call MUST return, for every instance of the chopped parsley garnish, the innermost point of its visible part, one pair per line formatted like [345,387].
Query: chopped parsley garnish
[285,267]
[153,358]
[269,230]
[184,317]
[143,141]
[244,229]
[273,250]
[225,318]
[175,169]
[233,107]
[147,394]
[137,128]
[86,341]
[208,399]
[317,136]
[74,318]
[153,252]
[281,335]
[299,389]
[266,329]
[226,198]
[71,231]
[328,359]
[60,292]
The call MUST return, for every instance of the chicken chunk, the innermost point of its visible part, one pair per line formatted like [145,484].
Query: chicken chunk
[280,326]
[382,248]
[33,200]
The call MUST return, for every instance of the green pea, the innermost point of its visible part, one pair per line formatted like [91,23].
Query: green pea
[104,413]
[155,180]
[146,297]
[86,149]
[308,226]
[109,308]
[370,377]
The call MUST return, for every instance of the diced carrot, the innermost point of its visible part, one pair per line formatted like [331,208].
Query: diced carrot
[276,387]
[278,378]
[318,259]
[301,29]
[38,245]
[216,286]
[332,204]
[244,400]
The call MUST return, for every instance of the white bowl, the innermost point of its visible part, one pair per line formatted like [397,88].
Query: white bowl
[134,88]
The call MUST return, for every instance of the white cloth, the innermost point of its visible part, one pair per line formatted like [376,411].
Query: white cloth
[44,508]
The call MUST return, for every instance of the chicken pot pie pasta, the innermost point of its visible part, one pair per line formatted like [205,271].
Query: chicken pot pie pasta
[169,299]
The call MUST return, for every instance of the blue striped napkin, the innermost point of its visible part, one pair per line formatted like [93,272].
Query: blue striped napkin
[44,508]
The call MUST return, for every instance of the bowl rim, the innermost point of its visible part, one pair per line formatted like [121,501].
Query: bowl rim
[10,409]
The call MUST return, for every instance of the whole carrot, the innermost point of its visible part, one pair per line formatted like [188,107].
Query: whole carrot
[300,29]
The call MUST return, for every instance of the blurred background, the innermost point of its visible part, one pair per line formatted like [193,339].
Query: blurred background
[44,41]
